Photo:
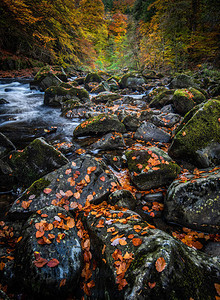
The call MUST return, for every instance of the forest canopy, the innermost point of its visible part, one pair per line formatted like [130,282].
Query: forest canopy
[112,34]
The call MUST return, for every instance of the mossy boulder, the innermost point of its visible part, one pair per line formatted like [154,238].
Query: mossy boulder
[145,263]
[182,81]
[62,247]
[104,97]
[92,77]
[185,99]
[131,122]
[151,168]
[161,99]
[195,203]
[70,104]
[49,76]
[131,80]
[99,125]
[82,179]
[199,128]
[56,95]
[35,161]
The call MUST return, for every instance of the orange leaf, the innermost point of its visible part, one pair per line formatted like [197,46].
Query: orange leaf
[137,241]
[2,265]
[20,238]
[151,285]
[47,190]
[44,215]
[39,234]
[184,133]
[160,264]
[89,197]
[87,178]
[77,195]
[217,287]
[53,263]
[62,282]
[69,193]
[40,262]
[102,178]
[131,236]
[122,242]
[25,204]
[70,223]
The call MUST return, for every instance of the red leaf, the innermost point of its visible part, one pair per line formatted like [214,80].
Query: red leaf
[40,262]
[136,241]
[53,263]
[102,178]
[160,264]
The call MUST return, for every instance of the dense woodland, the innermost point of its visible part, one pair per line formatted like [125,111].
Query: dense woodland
[112,34]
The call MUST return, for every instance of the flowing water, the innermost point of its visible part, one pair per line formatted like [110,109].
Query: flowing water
[26,117]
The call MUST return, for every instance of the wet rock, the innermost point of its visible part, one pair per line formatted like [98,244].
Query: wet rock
[122,198]
[104,97]
[58,244]
[161,98]
[131,122]
[48,76]
[92,77]
[110,141]
[99,125]
[151,168]
[144,263]
[167,109]
[195,203]
[131,81]
[212,248]
[185,99]
[84,178]
[6,178]
[55,96]
[165,120]
[73,108]
[199,129]
[35,161]
[149,132]
[182,81]
[3,101]
[6,146]
[101,87]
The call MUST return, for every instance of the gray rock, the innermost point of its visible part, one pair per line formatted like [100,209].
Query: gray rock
[67,186]
[35,161]
[6,146]
[110,141]
[151,168]
[3,101]
[182,81]
[195,203]
[131,122]
[99,125]
[131,81]
[65,246]
[150,132]
[105,97]
[132,272]
[165,120]
[122,198]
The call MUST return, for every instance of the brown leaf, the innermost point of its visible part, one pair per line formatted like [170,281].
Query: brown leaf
[217,287]
[53,263]
[47,190]
[63,282]
[137,241]
[2,265]
[160,264]
[151,285]
[40,262]
[69,193]
[25,204]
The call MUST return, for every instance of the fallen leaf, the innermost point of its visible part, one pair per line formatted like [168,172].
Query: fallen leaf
[39,234]
[25,204]
[40,262]
[160,264]
[137,241]
[122,242]
[151,285]
[70,223]
[217,287]
[53,263]
[47,190]
[69,193]
[63,282]
[2,265]
[44,215]
[102,178]
[184,133]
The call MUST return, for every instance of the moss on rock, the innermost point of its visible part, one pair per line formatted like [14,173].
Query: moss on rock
[199,128]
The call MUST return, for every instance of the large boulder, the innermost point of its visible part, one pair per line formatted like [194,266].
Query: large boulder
[6,146]
[150,132]
[193,201]
[49,254]
[182,81]
[151,168]
[92,77]
[105,97]
[162,98]
[131,81]
[198,130]
[185,99]
[99,125]
[49,76]
[85,179]
[35,161]
[56,95]
[110,141]
[144,263]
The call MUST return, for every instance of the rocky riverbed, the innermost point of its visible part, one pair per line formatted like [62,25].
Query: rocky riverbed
[110,186]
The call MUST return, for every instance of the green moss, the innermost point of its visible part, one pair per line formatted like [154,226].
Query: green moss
[92,77]
[68,92]
[42,73]
[198,131]
[36,188]
[162,98]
